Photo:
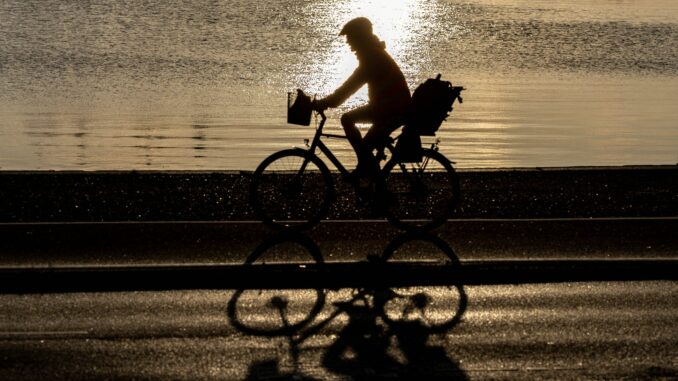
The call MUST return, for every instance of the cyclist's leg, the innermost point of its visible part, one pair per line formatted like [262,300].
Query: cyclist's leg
[361,114]
[377,135]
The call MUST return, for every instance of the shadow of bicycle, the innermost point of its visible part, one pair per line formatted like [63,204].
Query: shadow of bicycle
[300,306]
[381,332]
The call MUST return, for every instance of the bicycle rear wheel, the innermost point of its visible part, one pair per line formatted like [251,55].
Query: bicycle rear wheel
[291,189]
[420,196]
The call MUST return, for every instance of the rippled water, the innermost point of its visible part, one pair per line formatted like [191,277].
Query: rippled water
[131,84]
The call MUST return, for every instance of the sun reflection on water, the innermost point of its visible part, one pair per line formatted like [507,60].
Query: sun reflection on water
[397,23]
[185,85]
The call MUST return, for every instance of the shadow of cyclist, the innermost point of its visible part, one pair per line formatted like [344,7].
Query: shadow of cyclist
[362,346]
[423,360]
[374,345]
[367,349]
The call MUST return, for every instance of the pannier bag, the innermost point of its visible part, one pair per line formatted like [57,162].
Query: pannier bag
[300,111]
[431,105]
[408,147]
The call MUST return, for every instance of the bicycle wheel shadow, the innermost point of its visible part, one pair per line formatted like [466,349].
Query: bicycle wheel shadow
[381,332]
[245,305]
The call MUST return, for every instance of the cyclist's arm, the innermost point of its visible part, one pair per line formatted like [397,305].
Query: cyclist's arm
[348,88]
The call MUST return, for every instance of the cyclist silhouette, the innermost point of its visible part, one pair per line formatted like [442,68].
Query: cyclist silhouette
[389,96]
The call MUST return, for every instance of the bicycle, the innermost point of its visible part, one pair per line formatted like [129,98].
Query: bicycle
[294,188]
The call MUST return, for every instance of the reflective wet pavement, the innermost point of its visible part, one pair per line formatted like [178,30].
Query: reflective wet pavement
[477,326]
[591,330]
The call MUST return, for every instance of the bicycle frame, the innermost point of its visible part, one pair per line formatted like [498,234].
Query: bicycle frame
[317,143]
[400,185]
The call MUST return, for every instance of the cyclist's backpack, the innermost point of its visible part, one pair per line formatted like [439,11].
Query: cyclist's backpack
[431,105]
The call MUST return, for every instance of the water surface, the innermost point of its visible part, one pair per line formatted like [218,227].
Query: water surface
[131,84]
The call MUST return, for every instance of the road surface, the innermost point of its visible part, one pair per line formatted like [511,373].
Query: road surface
[589,329]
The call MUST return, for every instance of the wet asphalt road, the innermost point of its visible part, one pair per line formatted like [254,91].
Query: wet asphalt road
[592,330]
[581,330]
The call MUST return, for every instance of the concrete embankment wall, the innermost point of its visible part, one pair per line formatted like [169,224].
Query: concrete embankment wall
[502,193]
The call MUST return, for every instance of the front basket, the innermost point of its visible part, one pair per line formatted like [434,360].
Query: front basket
[300,111]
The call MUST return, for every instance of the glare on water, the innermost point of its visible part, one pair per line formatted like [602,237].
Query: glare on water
[202,85]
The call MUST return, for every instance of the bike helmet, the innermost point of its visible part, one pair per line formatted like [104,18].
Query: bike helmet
[358,27]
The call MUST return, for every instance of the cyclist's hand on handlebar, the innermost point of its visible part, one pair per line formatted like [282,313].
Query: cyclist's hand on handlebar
[319,105]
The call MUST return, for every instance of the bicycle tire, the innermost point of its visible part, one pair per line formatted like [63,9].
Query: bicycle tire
[285,197]
[420,196]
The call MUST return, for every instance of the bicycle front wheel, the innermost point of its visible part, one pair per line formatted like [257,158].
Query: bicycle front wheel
[291,189]
[420,196]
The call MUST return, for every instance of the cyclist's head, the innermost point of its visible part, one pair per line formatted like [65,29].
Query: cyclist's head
[358,33]
[358,27]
